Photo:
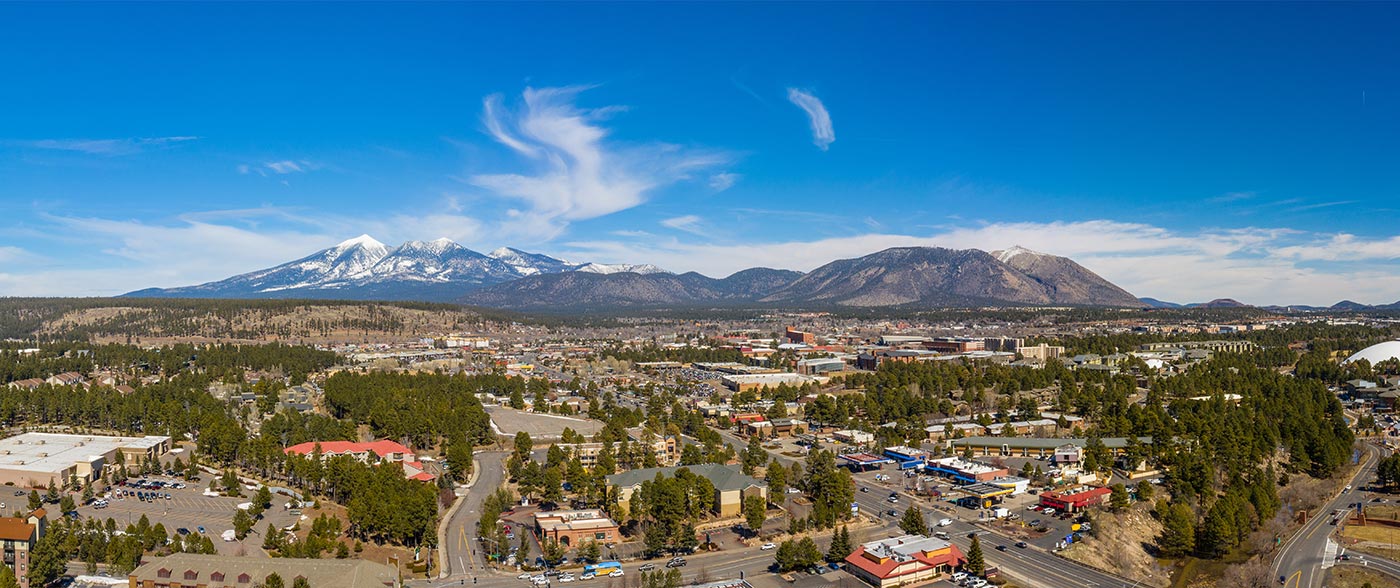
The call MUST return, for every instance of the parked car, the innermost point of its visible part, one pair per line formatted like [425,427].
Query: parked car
[767,546]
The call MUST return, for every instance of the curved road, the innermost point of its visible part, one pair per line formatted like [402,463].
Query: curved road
[460,555]
[1300,561]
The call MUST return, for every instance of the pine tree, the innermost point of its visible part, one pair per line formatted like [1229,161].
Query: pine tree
[1118,498]
[7,577]
[1178,536]
[840,545]
[913,522]
[273,580]
[975,564]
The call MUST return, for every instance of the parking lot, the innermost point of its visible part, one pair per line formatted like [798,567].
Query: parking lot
[189,508]
[540,426]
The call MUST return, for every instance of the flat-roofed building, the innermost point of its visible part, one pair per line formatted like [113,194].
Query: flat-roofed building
[1034,446]
[744,382]
[35,460]
[908,560]
[181,570]
[571,527]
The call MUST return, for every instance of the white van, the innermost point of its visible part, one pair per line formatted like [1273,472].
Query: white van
[944,522]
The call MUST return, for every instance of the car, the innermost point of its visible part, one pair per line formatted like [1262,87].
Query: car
[615,574]
[767,546]
[524,576]
[200,529]
[958,576]
[539,578]
[566,578]
[19,493]
[892,512]
[588,576]
[945,522]
[941,535]
[793,491]
[1035,523]
[864,489]
[1001,548]
[182,531]
[646,567]
[1033,508]
[1021,544]
[834,566]
[676,563]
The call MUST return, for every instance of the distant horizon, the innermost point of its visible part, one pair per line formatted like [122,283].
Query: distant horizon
[159,145]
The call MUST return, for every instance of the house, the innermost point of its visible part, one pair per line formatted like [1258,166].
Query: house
[66,379]
[731,485]
[26,384]
[570,527]
[226,571]
[904,561]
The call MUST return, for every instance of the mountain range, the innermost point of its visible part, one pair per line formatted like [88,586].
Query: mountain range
[443,271]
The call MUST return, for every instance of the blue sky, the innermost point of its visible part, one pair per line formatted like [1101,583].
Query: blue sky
[1184,151]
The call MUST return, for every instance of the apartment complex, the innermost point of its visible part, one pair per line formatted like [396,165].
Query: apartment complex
[731,485]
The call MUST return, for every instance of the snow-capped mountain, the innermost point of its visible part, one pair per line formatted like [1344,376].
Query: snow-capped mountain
[440,260]
[365,269]
[618,268]
[530,264]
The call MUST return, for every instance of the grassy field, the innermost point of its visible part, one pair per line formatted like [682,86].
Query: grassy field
[1352,577]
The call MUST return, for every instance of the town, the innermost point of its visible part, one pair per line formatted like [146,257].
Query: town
[974,448]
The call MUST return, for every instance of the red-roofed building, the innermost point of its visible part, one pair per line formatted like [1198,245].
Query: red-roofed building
[375,452]
[909,560]
[1075,499]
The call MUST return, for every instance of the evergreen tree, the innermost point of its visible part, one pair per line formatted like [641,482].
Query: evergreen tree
[273,580]
[1178,536]
[36,501]
[840,545]
[913,522]
[755,512]
[7,577]
[975,564]
[1118,498]
[302,582]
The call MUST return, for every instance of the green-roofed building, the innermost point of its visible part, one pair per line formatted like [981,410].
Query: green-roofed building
[1034,446]
[731,485]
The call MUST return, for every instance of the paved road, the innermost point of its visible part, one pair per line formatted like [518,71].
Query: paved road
[1300,561]
[462,557]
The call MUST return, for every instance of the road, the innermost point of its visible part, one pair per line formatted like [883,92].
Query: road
[1300,561]
[462,559]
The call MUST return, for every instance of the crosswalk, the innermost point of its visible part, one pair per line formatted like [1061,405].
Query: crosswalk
[1329,554]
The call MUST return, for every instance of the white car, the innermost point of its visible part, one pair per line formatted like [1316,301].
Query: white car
[566,578]
[588,576]
[539,579]
[957,576]
[524,576]
[793,491]
[615,574]
[767,546]
[945,522]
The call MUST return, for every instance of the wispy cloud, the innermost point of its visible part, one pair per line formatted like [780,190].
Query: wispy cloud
[1318,205]
[576,172]
[823,135]
[688,223]
[1232,197]
[723,181]
[108,147]
[281,167]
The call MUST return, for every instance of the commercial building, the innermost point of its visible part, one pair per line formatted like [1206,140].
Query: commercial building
[963,470]
[820,365]
[18,535]
[1041,352]
[1075,499]
[731,485]
[862,461]
[1034,446]
[189,570]
[570,527]
[906,457]
[908,560]
[1240,346]
[35,460]
[744,382]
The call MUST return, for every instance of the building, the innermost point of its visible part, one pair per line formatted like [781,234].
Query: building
[853,436]
[1041,352]
[34,460]
[570,527]
[802,337]
[189,570]
[1034,446]
[373,453]
[18,536]
[745,382]
[908,560]
[820,365]
[664,448]
[1240,346]
[906,457]
[66,379]
[1075,499]
[731,485]
[963,470]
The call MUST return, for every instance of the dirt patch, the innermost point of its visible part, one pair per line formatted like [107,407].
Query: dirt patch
[371,551]
[1353,577]
[1119,546]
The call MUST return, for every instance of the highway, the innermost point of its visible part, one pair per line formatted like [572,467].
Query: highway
[1300,560]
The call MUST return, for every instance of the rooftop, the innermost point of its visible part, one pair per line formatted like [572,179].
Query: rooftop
[52,452]
[342,573]
[724,477]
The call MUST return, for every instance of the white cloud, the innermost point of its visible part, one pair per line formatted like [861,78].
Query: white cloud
[103,146]
[823,135]
[688,223]
[282,167]
[1254,265]
[577,173]
[723,181]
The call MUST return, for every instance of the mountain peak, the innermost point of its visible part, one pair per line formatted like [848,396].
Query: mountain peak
[362,241]
[1006,255]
